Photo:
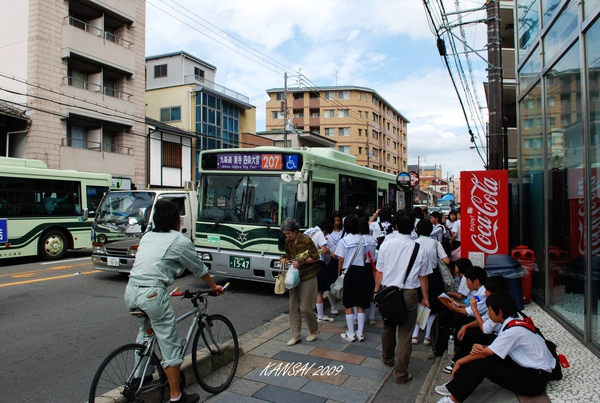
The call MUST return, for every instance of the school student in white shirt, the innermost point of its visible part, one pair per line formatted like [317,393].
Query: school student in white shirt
[517,360]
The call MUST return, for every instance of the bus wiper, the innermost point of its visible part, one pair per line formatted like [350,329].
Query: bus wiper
[220,220]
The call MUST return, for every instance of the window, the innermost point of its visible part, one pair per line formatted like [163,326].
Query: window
[343,94]
[360,150]
[366,97]
[298,96]
[360,114]
[110,87]
[76,137]
[329,131]
[172,114]
[344,149]
[160,70]
[366,115]
[359,96]
[279,96]
[299,113]
[329,113]
[199,74]
[313,95]
[329,95]
[78,78]
[277,115]
[314,113]
[343,113]
[171,154]
[359,132]
[550,101]
[344,131]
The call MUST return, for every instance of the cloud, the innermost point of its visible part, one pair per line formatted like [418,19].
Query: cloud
[385,45]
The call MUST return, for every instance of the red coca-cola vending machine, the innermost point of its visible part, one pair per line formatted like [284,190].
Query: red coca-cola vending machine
[484,212]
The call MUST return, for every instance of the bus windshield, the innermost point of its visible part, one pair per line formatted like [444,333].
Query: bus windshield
[252,199]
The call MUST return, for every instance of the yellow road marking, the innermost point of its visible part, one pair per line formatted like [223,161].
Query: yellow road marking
[47,279]
[35,272]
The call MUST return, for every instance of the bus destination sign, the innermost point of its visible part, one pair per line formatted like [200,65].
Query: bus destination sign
[258,162]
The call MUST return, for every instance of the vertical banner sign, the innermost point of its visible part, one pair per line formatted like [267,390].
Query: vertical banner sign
[484,212]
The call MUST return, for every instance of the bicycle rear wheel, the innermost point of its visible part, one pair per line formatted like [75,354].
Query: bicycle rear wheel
[215,354]
[119,377]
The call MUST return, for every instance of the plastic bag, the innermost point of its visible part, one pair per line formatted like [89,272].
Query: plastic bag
[450,284]
[292,278]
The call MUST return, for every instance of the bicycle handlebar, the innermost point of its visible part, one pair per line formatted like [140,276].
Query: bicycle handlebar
[194,294]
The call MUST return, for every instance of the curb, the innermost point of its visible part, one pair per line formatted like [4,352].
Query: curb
[432,375]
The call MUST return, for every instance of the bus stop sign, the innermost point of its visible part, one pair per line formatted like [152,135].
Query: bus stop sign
[403,180]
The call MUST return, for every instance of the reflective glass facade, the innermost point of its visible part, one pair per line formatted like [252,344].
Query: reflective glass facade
[559,157]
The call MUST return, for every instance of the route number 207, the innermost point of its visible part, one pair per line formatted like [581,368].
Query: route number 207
[271,161]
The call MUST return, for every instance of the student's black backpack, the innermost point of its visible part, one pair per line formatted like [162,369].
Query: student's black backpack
[446,242]
[382,234]
[441,329]
[527,323]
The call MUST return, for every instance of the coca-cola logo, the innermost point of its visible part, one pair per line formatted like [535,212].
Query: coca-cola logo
[483,215]
[595,215]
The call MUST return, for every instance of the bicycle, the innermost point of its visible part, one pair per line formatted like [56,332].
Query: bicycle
[133,373]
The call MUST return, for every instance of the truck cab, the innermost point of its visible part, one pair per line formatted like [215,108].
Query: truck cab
[124,216]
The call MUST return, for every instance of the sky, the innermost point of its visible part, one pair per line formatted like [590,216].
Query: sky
[385,45]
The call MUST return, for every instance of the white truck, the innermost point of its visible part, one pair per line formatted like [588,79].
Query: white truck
[124,216]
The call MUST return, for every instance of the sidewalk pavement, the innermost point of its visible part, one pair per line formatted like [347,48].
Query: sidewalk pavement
[330,369]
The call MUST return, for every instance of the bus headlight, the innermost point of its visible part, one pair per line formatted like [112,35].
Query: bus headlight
[276,264]
[205,256]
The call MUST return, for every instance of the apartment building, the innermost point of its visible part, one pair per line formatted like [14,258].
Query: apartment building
[74,71]
[358,119]
[181,91]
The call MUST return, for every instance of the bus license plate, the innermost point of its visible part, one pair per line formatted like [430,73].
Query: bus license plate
[112,261]
[237,262]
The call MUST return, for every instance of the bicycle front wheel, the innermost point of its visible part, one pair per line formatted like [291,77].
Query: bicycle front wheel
[215,354]
[129,375]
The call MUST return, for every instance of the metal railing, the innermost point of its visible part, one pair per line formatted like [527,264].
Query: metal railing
[192,78]
[96,146]
[109,36]
[89,86]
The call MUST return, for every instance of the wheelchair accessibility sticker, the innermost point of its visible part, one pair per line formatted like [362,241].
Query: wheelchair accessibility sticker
[291,162]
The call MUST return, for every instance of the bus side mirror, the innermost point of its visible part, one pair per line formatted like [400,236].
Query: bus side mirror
[85,215]
[302,194]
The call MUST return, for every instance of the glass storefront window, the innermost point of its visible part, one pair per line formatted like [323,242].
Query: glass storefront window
[530,71]
[566,24]
[589,6]
[532,177]
[593,57]
[528,25]
[566,224]
[550,7]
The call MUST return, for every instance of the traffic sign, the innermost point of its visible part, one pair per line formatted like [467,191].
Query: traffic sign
[414,178]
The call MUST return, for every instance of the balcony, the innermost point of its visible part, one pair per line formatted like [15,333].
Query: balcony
[91,159]
[90,91]
[195,79]
[92,43]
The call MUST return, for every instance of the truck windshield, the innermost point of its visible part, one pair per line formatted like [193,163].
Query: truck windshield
[125,211]
[260,200]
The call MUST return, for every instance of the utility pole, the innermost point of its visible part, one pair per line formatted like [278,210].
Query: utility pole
[285,110]
[496,148]
[368,151]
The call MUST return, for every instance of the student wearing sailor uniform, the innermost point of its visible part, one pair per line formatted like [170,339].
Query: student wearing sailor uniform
[517,360]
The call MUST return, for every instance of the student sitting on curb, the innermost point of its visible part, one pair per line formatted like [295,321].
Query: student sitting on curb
[482,330]
[517,360]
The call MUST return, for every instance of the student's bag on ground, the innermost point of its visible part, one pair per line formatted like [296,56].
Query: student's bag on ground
[441,329]
[391,299]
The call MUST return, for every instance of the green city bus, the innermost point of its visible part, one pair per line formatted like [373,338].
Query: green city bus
[244,194]
[44,212]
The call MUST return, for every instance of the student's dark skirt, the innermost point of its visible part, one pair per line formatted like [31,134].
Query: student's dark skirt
[358,286]
[436,287]
[326,276]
